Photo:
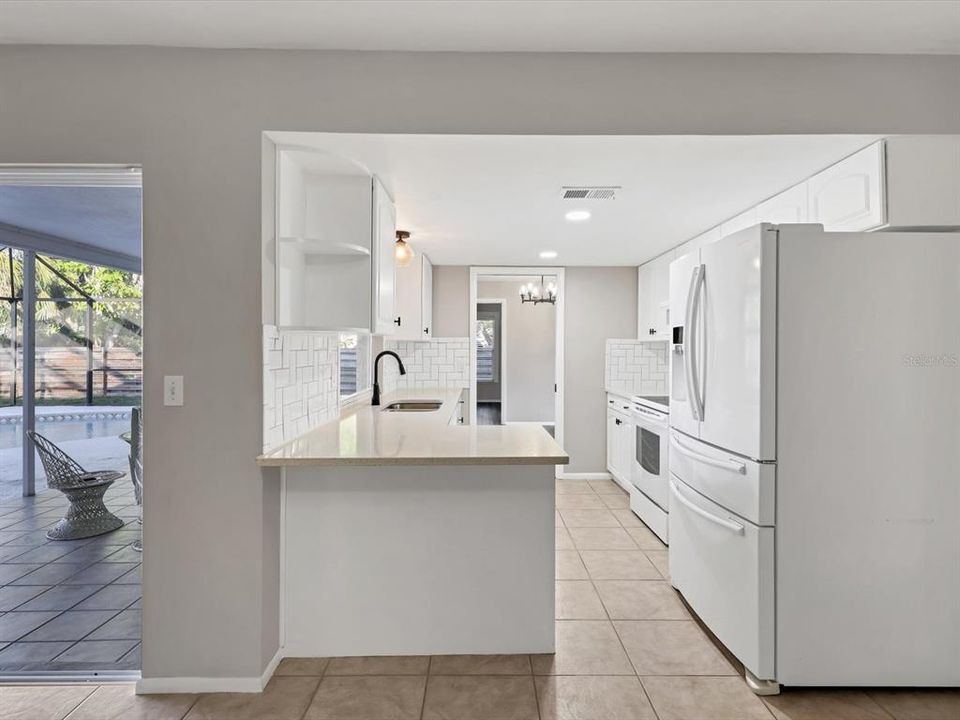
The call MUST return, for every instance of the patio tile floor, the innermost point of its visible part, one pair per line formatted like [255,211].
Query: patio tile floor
[68,605]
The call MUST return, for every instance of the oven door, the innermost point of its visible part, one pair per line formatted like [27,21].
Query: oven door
[650,472]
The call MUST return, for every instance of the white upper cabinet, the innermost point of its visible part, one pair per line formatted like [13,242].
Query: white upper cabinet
[335,231]
[653,298]
[790,206]
[849,196]
[711,235]
[736,224]
[415,299]
[385,318]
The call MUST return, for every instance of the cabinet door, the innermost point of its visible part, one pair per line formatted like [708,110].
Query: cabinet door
[694,244]
[790,206]
[660,305]
[646,325]
[849,196]
[426,298]
[736,224]
[384,267]
[611,441]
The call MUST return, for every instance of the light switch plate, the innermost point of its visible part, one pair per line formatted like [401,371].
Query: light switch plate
[173,390]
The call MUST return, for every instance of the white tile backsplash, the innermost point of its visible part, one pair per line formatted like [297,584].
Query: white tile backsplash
[636,368]
[440,362]
[300,382]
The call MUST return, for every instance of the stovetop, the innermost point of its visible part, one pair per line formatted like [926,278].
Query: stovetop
[657,402]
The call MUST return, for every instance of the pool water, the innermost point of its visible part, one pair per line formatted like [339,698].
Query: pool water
[64,430]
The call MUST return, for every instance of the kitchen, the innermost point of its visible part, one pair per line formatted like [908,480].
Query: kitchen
[356,471]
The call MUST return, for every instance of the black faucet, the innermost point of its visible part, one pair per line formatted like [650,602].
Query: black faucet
[376,374]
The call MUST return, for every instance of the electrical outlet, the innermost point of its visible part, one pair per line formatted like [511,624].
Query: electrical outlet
[173,390]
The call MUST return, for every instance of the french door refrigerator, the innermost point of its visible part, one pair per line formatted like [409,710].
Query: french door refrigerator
[815,453]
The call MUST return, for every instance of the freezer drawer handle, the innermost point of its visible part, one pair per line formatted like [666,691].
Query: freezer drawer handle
[737,467]
[728,524]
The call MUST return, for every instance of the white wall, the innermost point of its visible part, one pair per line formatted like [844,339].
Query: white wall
[451,300]
[530,345]
[194,119]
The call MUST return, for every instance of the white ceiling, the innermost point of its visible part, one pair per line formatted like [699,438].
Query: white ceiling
[801,26]
[496,200]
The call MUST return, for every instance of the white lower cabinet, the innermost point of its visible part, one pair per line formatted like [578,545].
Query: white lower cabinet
[620,441]
[723,565]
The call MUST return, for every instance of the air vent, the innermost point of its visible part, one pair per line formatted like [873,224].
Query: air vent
[589,192]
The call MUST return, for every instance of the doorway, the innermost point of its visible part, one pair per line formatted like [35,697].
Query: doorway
[516,357]
[71,379]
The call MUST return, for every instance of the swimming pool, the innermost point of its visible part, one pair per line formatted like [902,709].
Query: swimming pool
[65,430]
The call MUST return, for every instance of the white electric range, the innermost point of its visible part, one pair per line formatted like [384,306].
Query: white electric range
[650,472]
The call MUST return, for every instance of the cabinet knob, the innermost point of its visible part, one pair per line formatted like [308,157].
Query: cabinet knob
[617,421]
[426,331]
[651,331]
[397,321]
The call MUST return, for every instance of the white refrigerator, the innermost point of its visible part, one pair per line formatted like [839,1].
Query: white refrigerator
[815,453]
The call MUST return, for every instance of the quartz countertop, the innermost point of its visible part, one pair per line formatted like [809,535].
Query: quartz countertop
[364,435]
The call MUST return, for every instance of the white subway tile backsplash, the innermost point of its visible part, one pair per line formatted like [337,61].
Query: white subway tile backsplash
[300,388]
[440,362]
[636,368]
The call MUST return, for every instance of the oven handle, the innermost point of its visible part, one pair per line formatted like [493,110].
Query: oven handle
[650,414]
[733,465]
[731,525]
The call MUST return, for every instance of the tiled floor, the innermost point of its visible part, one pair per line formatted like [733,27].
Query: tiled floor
[627,649]
[69,605]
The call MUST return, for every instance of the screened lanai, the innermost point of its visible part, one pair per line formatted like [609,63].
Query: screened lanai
[71,370]
[70,314]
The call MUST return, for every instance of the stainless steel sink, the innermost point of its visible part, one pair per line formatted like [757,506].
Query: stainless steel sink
[413,406]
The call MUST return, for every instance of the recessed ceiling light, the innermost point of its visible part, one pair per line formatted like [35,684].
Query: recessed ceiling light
[577,215]
[548,254]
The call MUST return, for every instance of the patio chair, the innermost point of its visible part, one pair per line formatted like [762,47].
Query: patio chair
[136,465]
[87,516]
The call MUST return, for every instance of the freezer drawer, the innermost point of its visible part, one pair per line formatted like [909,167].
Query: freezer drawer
[724,567]
[742,486]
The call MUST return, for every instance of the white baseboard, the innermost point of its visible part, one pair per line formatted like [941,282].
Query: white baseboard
[153,686]
[584,476]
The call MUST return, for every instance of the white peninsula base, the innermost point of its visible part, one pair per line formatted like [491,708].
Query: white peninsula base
[418,559]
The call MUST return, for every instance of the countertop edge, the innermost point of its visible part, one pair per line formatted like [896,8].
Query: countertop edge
[386,462]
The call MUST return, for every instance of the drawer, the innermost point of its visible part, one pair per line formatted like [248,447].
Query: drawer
[742,486]
[724,567]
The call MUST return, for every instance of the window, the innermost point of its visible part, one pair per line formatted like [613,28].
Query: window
[488,355]
[354,365]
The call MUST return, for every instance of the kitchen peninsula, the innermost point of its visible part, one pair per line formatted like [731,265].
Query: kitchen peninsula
[406,532]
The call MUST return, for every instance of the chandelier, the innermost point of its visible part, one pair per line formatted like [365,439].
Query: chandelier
[536,294]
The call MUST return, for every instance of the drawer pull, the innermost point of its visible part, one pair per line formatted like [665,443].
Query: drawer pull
[731,525]
[733,465]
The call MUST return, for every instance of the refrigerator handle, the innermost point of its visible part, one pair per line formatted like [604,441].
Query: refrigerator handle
[694,297]
[731,525]
[688,341]
[733,465]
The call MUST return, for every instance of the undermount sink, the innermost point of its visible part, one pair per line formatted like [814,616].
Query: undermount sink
[413,406]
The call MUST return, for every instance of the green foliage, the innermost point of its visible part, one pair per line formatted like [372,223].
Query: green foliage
[116,298]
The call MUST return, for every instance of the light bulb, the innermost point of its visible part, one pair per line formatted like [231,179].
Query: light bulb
[403,253]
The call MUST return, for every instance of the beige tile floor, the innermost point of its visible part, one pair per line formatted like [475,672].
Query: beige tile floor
[627,649]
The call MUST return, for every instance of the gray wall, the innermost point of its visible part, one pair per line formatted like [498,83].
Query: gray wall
[451,300]
[194,119]
[530,348]
[601,303]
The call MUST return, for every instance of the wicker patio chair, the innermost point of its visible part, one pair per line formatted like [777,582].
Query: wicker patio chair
[136,464]
[87,515]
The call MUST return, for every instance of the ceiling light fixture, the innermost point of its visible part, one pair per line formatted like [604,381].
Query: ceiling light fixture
[577,215]
[548,254]
[402,252]
[536,294]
